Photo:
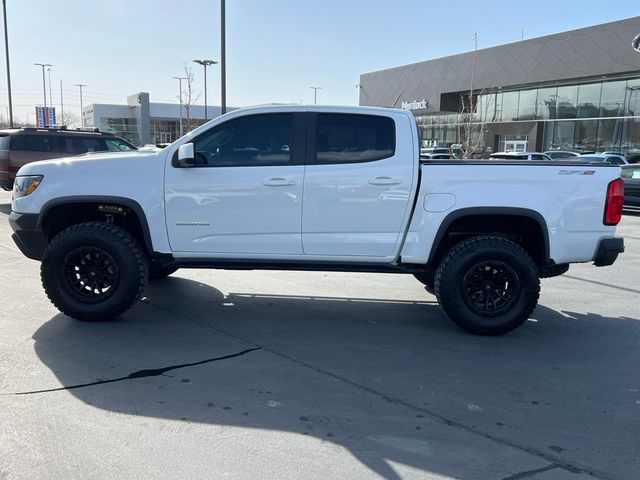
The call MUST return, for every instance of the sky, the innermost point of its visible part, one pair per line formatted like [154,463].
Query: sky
[276,49]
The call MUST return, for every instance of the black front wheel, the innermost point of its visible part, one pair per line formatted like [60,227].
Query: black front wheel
[487,285]
[94,271]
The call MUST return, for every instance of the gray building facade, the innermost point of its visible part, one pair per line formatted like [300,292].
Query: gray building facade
[577,90]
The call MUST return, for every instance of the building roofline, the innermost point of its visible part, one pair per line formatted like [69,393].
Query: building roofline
[520,42]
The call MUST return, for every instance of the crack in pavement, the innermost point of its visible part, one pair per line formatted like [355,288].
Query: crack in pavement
[138,374]
[531,473]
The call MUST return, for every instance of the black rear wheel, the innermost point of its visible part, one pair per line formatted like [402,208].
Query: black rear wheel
[94,271]
[487,285]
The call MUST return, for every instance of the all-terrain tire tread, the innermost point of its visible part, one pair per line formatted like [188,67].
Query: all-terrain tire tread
[445,296]
[102,229]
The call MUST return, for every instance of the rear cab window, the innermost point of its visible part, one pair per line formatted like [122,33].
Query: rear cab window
[353,138]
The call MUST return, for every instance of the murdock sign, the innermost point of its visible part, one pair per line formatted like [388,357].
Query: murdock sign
[415,105]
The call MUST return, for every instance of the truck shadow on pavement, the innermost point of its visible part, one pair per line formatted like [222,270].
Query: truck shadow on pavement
[393,382]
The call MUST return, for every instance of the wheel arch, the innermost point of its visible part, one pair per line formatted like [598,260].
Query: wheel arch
[48,223]
[493,220]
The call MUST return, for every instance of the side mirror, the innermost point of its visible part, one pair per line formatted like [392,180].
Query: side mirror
[186,156]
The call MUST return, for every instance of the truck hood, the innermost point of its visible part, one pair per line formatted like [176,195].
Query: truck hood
[98,161]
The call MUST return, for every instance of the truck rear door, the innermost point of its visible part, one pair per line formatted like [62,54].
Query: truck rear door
[359,183]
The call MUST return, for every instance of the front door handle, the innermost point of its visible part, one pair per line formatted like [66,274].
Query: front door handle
[385,181]
[278,182]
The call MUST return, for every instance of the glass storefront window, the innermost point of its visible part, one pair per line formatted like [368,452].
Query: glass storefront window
[527,104]
[612,99]
[609,134]
[567,102]
[632,98]
[509,106]
[546,103]
[487,107]
[589,100]
[630,139]
[563,135]
[585,137]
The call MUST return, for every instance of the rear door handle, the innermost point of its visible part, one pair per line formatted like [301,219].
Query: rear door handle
[278,182]
[385,181]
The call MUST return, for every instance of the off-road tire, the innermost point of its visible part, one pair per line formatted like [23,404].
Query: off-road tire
[158,272]
[94,271]
[484,267]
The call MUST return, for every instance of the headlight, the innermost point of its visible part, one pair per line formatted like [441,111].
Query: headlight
[23,186]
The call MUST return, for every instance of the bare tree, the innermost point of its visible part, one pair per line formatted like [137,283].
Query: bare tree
[189,98]
[474,130]
[70,119]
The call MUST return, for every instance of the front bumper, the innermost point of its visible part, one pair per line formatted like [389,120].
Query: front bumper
[27,235]
[608,250]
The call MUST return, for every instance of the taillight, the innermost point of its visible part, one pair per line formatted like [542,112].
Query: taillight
[615,200]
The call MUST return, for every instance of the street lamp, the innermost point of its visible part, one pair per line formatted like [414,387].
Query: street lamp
[315,94]
[205,64]
[6,51]
[44,89]
[180,86]
[223,60]
[80,85]
[50,91]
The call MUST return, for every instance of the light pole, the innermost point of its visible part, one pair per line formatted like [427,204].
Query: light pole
[180,86]
[223,61]
[358,87]
[6,51]
[50,91]
[315,94]
[61,104]
[44,90]
[80,85]
[205,64]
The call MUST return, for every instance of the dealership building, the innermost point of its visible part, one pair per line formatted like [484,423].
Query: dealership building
[576,90]
[143,122]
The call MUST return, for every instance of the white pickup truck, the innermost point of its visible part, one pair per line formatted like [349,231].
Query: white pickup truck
[314,188]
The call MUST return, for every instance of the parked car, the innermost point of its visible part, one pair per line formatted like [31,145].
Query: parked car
[438,156]
[612,158]
[347,194]
[561,154]
[519,156]
[20,146]
[441,150]
[631,177]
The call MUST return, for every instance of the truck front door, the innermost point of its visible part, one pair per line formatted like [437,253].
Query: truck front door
[244,194]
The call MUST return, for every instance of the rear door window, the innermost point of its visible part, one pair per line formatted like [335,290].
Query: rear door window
[350,138]
[4,142]
[32,143]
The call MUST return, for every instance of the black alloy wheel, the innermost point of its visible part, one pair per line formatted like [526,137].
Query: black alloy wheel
[490,288]
[90,274]
[94,271]
[487,285]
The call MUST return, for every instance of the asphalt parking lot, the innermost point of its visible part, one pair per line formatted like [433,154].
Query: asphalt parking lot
[265,374]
